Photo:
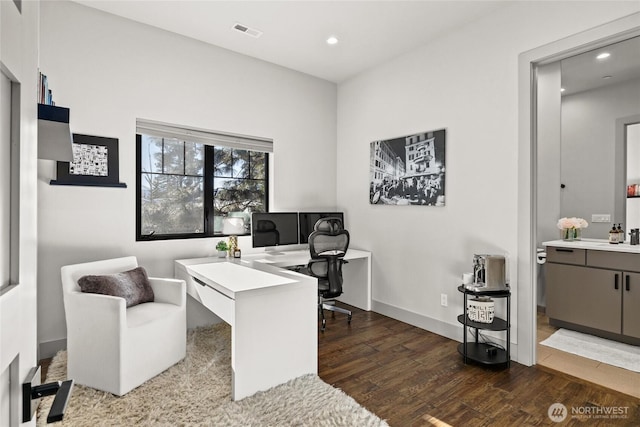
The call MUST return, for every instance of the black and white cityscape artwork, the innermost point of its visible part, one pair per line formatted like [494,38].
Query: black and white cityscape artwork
[89,159]
[409,170]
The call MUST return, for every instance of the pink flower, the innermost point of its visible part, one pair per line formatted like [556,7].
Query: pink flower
[572,222]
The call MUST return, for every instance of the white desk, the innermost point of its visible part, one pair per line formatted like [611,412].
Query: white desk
[356,287]
[272,313]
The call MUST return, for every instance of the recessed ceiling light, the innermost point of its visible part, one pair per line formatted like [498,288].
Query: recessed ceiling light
[606,77]
[603,55]
[561,89]
[332,40]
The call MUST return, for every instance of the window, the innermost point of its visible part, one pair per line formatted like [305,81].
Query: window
[239,180]
[186,185]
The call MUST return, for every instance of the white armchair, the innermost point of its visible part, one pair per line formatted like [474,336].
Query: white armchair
[114,348]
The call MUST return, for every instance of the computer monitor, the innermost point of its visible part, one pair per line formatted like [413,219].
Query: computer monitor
[274,229]
[308,219]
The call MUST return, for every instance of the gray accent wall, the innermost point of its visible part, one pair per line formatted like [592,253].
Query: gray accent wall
[589,161]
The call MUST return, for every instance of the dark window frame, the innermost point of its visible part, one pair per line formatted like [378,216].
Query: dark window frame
[208,202]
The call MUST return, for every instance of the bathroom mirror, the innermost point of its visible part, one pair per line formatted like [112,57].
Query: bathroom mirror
[600,96]
[632,142]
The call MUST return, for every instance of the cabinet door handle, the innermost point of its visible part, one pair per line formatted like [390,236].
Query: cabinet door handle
[563,250]
[615,285]
[626,282]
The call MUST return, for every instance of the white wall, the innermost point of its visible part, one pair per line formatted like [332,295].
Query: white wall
[466,82]
[548,160]
[589,151]
[110,71]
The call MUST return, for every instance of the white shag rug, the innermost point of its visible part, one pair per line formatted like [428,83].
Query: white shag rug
[603,350]
[197,392]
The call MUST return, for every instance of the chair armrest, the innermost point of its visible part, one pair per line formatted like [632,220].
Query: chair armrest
[325,260]
[101,309]
[172,291]
[311,272]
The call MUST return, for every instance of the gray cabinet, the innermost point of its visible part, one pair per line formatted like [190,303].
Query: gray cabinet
[567,256]
[584,296]
[631,305]
[594,291]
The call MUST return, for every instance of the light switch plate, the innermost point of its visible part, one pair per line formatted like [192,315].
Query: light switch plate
[600,218]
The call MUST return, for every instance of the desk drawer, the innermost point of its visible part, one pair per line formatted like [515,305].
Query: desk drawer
[566,255]
[220,304]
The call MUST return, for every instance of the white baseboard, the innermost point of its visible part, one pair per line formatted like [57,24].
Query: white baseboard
[430,324]
[448,330]
[49,349]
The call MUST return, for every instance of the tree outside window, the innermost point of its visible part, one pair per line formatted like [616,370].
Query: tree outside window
[183,193]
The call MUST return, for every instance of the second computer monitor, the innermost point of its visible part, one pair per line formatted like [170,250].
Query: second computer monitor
[308,219]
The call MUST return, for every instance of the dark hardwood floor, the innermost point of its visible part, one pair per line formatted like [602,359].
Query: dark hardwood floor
[411,377]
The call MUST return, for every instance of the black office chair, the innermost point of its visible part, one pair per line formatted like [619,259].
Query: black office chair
[327,245]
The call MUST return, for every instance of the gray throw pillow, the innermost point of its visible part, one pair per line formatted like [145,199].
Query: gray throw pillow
[132,285]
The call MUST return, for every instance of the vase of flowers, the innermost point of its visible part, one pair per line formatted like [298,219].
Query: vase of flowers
[571,228]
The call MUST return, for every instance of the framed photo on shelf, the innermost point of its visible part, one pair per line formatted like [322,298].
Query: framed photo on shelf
[95,163]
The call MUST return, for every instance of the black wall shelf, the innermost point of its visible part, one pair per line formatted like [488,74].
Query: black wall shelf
[85,184]
[53,113]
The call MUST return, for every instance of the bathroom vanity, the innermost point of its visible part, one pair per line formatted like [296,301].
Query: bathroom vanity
[593,286]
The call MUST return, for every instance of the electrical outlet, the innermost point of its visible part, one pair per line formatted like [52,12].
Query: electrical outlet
[443,300]
[600,218]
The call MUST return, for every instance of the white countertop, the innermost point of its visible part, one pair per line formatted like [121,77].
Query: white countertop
[594,244]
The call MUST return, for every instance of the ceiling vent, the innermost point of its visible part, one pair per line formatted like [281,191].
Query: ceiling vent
[246,30]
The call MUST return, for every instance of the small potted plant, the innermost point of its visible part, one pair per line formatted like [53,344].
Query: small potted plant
[222,249]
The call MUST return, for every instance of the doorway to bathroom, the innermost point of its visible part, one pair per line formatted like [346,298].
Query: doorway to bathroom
[580,99]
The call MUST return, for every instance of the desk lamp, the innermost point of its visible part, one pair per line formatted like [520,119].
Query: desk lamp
[232,226]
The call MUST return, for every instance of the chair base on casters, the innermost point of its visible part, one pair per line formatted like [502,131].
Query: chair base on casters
[330,305]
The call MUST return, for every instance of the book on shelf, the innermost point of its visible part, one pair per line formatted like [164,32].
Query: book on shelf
[45,95]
